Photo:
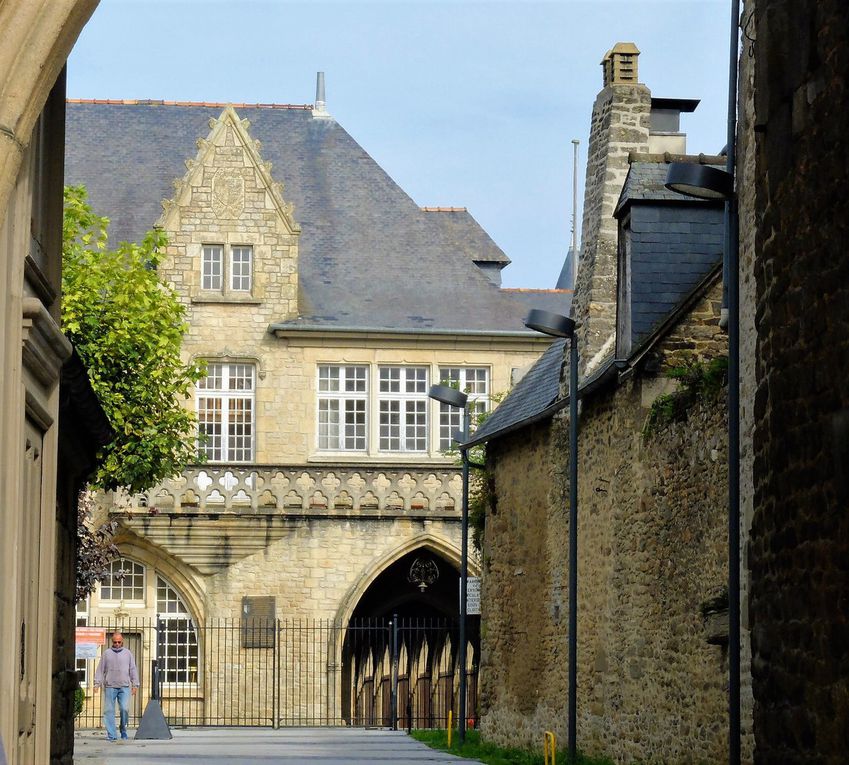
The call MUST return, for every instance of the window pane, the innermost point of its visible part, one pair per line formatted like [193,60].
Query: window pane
[473,381]
[177,650]
[342,407]
[241,259]
[390,425]
[404,407]
[211,262]
[124,581]
[225,421]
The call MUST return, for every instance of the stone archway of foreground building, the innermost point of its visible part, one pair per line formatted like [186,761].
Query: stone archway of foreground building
[37,36]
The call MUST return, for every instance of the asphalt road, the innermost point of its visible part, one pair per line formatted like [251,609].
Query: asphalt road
[241,746]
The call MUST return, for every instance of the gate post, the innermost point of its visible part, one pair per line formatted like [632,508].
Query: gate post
[394,692]
[275,690]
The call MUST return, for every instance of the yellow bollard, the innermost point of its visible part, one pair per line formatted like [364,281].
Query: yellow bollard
[450,726]
[549,744]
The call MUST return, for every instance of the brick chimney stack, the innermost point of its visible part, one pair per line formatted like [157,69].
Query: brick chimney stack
[620,125]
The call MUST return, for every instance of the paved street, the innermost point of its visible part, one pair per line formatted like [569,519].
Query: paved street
[241,746]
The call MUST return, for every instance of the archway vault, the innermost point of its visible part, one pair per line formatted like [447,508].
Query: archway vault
[426,542]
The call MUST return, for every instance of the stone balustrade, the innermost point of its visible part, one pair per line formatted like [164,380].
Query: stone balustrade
[256,489]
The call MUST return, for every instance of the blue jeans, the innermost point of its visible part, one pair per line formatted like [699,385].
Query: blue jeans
[109,696]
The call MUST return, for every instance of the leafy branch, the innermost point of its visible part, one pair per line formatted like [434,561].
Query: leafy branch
[698,381]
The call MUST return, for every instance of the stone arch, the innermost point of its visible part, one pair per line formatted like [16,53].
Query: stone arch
[37,38]
[180,577]
[441,547]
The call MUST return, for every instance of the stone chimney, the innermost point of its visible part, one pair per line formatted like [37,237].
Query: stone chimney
[620,124]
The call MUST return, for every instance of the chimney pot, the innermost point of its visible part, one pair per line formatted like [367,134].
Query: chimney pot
[320,109]
[620,64]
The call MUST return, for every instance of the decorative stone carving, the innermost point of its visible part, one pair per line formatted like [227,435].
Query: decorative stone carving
[249,489]
[228,193]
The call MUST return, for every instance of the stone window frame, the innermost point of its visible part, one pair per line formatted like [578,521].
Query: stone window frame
[352,394]
[216,389]
[223,279]
[478,391]
[402,405]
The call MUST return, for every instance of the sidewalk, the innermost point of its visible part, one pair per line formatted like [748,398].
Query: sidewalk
[242,746]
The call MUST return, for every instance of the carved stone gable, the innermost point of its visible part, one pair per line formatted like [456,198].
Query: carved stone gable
[232,238]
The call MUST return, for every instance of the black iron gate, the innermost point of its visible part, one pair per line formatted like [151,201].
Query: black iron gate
[398,672]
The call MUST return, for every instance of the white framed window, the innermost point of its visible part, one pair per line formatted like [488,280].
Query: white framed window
[241,268]
[225,401]
[402,409]
[236,261]
[212,267]
[474,382]
[342,407]
[177,650]
[124,582]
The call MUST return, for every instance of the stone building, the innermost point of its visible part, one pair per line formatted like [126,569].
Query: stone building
[324,303]
[50,424]
[793,171]
[791,174]
[652,570]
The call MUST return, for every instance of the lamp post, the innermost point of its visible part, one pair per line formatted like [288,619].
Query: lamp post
[706,182]
[555,325]
[459,400]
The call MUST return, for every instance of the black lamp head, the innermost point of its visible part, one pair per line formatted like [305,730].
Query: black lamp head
[550,323]
[446,395]
[700,181]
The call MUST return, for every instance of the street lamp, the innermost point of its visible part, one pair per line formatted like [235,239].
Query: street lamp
[555,325]
[459,400]
[712,183]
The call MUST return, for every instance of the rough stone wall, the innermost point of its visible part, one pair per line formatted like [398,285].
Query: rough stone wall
[652,552]
[747,198]
[799,544]
[523,600]
[620,125]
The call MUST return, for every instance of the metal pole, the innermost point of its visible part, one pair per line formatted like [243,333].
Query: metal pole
[573,548]
[733,259]
[464,572]
[394,692]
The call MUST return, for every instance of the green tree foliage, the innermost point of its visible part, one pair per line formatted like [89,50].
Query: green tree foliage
[128,327]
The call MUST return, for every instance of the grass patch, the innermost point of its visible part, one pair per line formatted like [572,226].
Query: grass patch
[476,749]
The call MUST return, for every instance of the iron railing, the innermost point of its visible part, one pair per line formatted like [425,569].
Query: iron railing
[399,672]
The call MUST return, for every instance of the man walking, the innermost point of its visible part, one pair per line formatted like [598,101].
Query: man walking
[116,672]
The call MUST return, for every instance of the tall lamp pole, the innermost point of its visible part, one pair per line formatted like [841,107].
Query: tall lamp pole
[458,399]
[555,325]
[705,182]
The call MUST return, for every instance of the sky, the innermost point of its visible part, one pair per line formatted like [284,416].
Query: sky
[464,104]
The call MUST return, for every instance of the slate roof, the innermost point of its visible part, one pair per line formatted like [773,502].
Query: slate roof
[464,233]
[531,397]
[566,280]
[647,176]
[674,242]
[556,300]
[370,257]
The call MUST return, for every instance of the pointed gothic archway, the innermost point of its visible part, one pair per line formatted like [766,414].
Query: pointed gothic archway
[406,616]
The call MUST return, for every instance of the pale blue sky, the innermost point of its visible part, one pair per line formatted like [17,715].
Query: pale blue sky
[467,104]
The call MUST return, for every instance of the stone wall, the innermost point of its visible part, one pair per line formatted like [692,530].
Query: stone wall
[799,545]
[747,198]
[652,664]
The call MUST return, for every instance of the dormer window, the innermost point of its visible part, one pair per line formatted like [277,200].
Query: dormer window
[236,262]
